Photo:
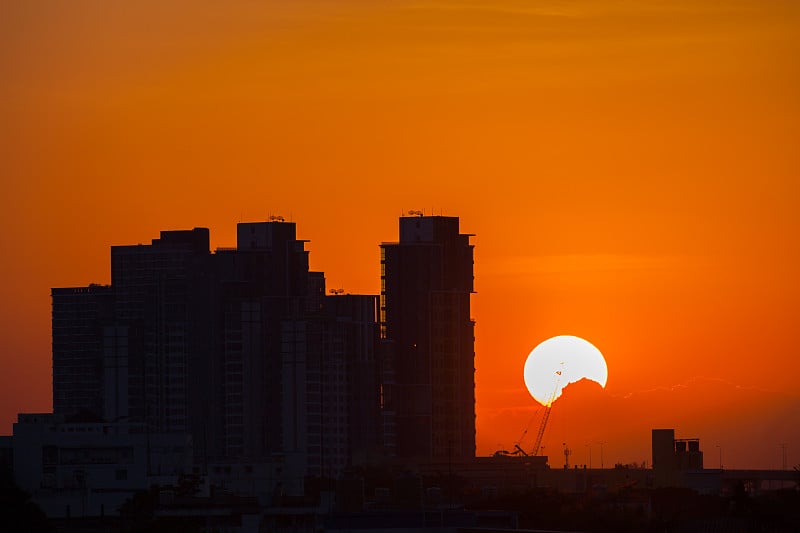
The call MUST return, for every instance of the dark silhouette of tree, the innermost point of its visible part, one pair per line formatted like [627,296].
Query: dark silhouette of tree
[17,511]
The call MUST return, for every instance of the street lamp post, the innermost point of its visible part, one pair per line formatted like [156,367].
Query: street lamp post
[720,456]
[601,453]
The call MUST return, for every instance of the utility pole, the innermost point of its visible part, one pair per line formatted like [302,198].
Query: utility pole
[783,455]
[601,453]
[720,456]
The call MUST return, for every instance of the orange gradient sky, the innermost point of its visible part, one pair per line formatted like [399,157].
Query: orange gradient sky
[631,169]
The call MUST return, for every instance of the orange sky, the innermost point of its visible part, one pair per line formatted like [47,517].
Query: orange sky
[631,170]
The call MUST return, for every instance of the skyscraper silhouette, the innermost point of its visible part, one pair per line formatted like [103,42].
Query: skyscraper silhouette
[80,315]
[263,288]
[160,350]
[428,376]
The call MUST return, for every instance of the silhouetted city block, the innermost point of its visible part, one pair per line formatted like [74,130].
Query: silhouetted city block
[241,349]
[227,390]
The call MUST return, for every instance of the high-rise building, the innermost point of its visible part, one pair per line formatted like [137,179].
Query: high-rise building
[428,369]
[163,335]
[263,293]
[80,315]
[349,407]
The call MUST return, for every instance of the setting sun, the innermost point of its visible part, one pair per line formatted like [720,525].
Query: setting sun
[559,361]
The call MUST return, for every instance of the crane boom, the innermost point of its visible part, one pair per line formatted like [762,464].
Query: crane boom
[541,430]
[546,415]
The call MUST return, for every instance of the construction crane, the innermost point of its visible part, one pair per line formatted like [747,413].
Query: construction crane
[547,408]
[540,434]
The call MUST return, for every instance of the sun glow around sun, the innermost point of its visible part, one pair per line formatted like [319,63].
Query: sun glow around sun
[559,361]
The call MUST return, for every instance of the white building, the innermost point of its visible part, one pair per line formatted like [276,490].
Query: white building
[75,469]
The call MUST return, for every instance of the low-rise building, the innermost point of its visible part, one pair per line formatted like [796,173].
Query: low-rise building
[74,469]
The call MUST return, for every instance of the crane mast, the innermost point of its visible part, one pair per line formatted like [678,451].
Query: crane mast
[548,407]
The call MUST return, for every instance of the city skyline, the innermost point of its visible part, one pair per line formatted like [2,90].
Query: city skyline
[629,169]
[243,349]
[572,417]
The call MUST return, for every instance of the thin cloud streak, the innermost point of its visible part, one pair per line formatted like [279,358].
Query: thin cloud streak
[650,16]
[511,8]
[581,263]
[698,380]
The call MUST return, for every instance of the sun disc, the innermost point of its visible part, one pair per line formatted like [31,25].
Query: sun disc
[559,361]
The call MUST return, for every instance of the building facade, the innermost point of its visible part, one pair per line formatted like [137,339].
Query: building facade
[77,469]
[159,350]
[673,458]
[80,315]
[428,356]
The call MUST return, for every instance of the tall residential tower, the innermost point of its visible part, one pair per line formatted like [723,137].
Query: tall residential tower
[428,391]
